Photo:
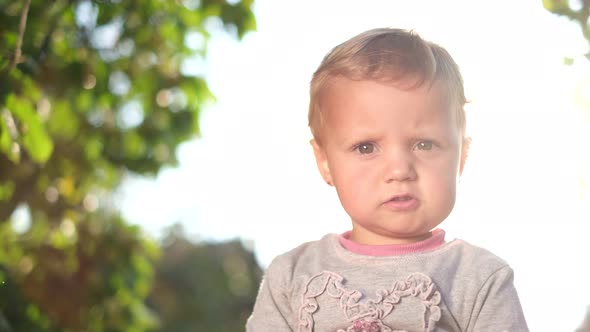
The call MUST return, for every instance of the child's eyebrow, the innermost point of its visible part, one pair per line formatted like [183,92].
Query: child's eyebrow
[352,139]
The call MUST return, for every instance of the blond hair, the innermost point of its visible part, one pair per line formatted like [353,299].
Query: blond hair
[393,56]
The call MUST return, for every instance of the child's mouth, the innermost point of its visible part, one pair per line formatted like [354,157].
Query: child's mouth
[401,198]
[402,202]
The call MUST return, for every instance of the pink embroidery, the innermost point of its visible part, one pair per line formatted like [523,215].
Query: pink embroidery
[368,315]
[361,325]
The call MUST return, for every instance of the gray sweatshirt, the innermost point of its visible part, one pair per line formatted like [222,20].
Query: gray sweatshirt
[321,286]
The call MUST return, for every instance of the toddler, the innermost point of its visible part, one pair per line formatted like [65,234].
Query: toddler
[388,123]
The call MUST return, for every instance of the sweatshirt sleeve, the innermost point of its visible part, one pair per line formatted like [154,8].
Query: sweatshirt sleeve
[272,310]
[497,306]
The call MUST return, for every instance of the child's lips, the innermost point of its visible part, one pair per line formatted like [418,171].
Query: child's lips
[402,202]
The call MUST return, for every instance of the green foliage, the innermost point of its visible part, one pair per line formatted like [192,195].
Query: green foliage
[204,287]
[33,136]
[577,15]
[99,86]
[91,274]
[16,312]
[91,90]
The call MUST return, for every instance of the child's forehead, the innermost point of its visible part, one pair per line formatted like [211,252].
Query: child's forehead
[358,101]
[344,90]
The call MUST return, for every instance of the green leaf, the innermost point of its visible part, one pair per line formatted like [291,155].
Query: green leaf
[38,143]
[34,136]
[6,139]
[64,122]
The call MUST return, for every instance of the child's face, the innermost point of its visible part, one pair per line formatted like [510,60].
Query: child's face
[393,155]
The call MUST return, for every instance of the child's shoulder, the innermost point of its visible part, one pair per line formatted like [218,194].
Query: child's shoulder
[306,252]
[310,248]
[465,253]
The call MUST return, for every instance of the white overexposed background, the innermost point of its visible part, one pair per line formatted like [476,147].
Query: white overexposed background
[524,194]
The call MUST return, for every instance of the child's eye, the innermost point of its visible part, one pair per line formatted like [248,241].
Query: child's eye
[424,145]
[365,148]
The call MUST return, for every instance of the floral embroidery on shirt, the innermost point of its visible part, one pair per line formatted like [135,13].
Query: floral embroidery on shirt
[368,315]
[361,325]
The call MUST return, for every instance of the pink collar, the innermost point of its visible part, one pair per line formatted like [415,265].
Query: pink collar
[436,240]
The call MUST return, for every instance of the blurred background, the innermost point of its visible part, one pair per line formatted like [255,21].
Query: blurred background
[154,154]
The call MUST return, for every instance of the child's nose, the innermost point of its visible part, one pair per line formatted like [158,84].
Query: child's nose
[400,167]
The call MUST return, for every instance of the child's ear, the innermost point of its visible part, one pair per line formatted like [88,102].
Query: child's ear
[464,153]
[322,162]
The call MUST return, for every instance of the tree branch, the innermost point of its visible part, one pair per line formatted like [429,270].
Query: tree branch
[52,26]
[21,32]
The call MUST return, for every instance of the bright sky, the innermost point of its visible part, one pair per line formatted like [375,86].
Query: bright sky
[252,174]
